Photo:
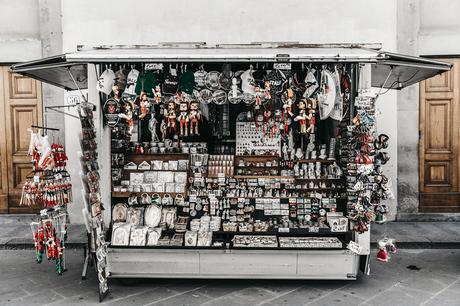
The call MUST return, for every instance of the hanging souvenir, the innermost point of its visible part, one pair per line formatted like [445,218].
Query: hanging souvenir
[219,97]
[337,110]
[111,110]
[171,81]
[187,81]
[200,77]
[144,105]
[183,118]
[311,106]
[327,94]
[153,128]
[116,92]
[276,82]
[195,117]
[146,83]
[212,80]
[235,95]
[131,83]
[157,94]
[225,78]
[205,96]
[288,99]
[267,93]
[121,78]
[259,97]
[302,116]
[170,119]
[311,84]
[106,81]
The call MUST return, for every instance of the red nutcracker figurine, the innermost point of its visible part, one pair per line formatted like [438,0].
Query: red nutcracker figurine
[170,118]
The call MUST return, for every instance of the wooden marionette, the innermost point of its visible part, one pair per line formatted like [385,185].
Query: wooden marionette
[311,106]
[195,117]
[129,111]
[183,118]
[157,94]
[258,98]
[144,105]
[302,116]
[170,118]
[266,124]
[39,239]
[267,93]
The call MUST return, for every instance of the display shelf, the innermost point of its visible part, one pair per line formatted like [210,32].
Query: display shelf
[130,154]
[143,170]
[116,194]
[317,179]
[263,176]
[292,232]
[325,161]
[256,156]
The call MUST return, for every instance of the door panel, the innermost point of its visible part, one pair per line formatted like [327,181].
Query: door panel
[22,108]
[3,162]
[439,141]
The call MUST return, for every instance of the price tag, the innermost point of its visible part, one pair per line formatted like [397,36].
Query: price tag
[313,229]
[283,230]
[355,247]
[282,66]
[154,66]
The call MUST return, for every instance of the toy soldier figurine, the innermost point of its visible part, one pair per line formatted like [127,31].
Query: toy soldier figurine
[195,117]
[157,94]
[144,105]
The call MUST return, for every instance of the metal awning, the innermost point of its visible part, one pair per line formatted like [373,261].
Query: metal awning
[397,70]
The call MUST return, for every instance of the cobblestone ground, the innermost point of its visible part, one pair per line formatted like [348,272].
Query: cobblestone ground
[437,282]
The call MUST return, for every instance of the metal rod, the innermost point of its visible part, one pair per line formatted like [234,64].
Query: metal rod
[60,106]
[76,85]
[44,128]
[61,112]
[384,83]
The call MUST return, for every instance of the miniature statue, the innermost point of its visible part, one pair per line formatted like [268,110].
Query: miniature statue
[311,105]
[267,93]
[116,92]
[289,98]
[157,94]
[144,105]
[195,117]
[183,118]
[153,129]
[258,97]
[302,117]
[170,118]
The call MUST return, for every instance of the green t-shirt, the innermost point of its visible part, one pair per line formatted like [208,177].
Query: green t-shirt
[187,82]
[146,82]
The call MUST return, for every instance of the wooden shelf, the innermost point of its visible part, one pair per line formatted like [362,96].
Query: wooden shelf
[143,170]
[256,156]
[263,176]
[325,161]
[316,179]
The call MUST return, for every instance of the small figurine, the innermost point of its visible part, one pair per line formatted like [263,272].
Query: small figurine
[302,117]
[183,118]
[153,129]
[267,93]
[170,117]
[258,97]
[157,94]
[195,117]
[311,105]
[144,105]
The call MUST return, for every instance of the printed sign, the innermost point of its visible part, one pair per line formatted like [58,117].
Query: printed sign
[355,247]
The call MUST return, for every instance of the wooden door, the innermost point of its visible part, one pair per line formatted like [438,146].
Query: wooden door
[439,141]
[21,107]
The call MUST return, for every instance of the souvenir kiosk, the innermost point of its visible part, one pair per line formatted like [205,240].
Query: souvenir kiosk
[232,161]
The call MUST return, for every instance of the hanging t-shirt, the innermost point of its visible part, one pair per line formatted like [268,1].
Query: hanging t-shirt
[131,81]
[146,82]
[171,82]
[106,81]
[248,82]
[277,80]
[187,82]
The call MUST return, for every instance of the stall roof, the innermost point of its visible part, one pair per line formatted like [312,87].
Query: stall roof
[389,70]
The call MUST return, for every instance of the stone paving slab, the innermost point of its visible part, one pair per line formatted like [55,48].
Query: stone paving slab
[437,282]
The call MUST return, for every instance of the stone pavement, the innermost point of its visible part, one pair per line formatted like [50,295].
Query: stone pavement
[434,279]
[16,234]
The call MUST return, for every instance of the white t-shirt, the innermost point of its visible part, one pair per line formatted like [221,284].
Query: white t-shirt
[247,82]
[106,81]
